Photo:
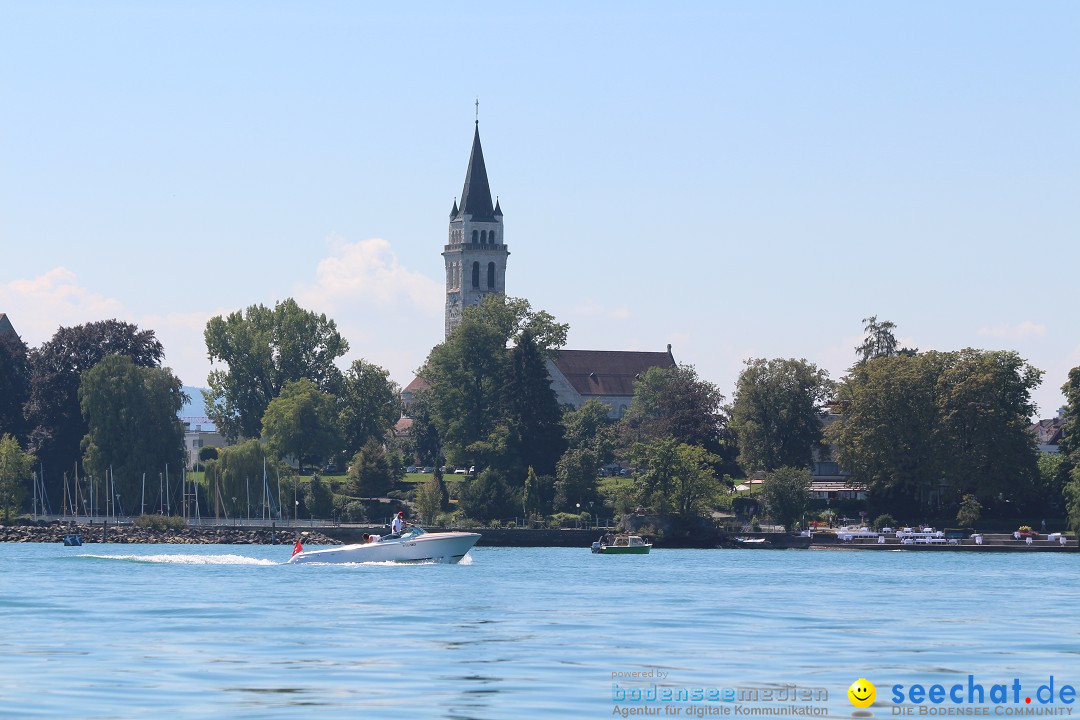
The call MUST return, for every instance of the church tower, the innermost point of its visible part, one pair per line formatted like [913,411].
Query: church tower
[475,253]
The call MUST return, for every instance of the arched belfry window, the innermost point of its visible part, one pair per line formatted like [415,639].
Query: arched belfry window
[475,235]
[483,237]
[491,275]
[476,274]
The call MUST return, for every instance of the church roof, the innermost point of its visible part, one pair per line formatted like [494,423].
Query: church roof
[5,326]
[476,195]
[418,384]
[608,372]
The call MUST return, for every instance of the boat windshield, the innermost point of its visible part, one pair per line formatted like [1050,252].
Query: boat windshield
[413,531]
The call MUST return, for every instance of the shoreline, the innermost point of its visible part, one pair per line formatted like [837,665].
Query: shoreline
[986,548]
[127,533]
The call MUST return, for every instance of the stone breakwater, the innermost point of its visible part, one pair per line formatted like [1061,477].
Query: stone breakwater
[55,533]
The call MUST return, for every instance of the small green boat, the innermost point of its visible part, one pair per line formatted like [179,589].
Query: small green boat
[621,545]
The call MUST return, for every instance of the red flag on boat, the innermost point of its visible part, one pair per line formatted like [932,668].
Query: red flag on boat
[297,548]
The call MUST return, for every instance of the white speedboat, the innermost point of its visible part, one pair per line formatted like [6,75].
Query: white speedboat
[413,545]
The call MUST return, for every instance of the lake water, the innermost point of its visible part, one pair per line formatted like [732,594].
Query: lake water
[137,631]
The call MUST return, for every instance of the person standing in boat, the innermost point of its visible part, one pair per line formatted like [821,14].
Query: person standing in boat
[398,524]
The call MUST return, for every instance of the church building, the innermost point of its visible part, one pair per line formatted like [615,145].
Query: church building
[476,255]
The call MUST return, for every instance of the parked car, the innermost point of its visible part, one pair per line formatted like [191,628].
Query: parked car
[428,470]
[330,470]
[459,471]
[412,469]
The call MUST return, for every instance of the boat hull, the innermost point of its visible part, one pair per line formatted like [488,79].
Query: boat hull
[447,547]
[622,550]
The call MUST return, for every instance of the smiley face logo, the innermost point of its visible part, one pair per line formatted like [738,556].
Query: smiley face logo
[862,693]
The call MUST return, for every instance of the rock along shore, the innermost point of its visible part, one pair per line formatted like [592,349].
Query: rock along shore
[55,532]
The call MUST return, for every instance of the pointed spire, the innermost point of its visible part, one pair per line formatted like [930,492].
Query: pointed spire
[476,195]
[454,212]
[498,209]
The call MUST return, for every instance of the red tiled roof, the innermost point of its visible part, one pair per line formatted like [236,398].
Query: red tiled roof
[608,372]
[418,383]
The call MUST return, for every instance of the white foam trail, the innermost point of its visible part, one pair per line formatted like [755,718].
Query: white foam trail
[188,559]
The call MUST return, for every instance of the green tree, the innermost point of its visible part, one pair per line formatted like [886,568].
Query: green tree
[488,496]
[264,349]
[14,384]
[429,500]
[534,413]
[370,473]
[56,368]
[591,438]
[674,402]
[1070,447]
[984,410]
[970,511]
[206,454]
[879,341]
[575,479]
[318,500]
[530,496]
[884,435]
[777,413]
[240,470]
[674,477]
[302,423]
[424,434]
[589,427]
[16,468]
[470,378]
[1052,479]
[911,424]
[787,494]
[131,418]
[370,405]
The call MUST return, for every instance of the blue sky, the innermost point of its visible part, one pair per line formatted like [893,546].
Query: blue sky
[737,179]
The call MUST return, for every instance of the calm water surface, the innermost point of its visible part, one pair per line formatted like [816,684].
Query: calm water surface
[133,631]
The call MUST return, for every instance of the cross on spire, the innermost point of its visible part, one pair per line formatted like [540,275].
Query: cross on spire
[478,111]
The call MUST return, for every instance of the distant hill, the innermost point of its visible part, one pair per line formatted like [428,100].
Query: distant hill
[195,407]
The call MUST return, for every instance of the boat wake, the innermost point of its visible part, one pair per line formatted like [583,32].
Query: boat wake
[185,559]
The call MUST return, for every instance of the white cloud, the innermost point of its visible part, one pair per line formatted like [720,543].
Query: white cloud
[367,273]
[1021,331]
[391,315]
[38,306]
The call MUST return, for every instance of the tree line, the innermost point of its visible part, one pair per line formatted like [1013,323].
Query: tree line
[919,430]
